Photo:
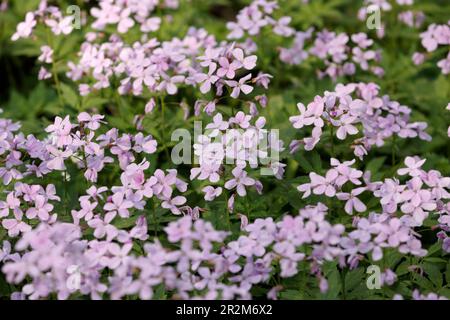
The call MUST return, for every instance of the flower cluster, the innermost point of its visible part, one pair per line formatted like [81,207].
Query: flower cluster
[435,36]
[334,50]
[377,118]
[125,14]
[418,296]
[50,16]
[259,14]
[52,255]
[162,68]
[92,208]
[45,57]
[77,142]
[27,201]
[424,193]
[407,17]
[239,143]
[412,18]
[339,57]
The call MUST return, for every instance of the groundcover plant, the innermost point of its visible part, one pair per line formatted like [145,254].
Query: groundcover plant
[225,149]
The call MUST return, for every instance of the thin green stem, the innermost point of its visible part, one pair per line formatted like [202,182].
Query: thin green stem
[65,193]
[163,124]
[344,295]
[155,218]
[394,149]
[247,208]
[54,73]
[227,211]
[332,140]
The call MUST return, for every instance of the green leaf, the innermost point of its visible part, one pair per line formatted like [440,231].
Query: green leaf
[125,223]
[374,167]
[304,163]
[291,295]
[69,95]
[334,281]
[93,102]
[354,278]
[447,273]
[434,274]
[4,287]
[434,248]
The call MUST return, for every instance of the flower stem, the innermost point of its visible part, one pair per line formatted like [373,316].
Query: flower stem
[394,147]
[332,140]
[163,124]
[155,218]
[227,211]
[54,73]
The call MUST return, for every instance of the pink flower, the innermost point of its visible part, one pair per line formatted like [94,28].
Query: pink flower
[12,203]
[240,181]
[444,64]
[352,201]
[210,55]
[169,84]
[58,157]
[306,189]
[324,185]
[61,131]
[240,86]
[362,57]
[46,54]
[63,26]
[217,125]
[346,127]
[313,115]
[282,27]
[163,185]
[144,144]
[207,79]
[418,58]
[140,231]
[151,24]
[5,253]
[173,204]
[125,21]
[247,62]
[414,165]
[96,193]
[362,40]
[44,74]
[346,173]
[241,119]
[92,122]
[103,228]
[119,205]
[87,210]
[118,255]
[150,106]
[263,79]
[41,209]
[226,68]
[25,28]
[311,142]
[230,203]
[207,170]
[16,226]
[299,121]
[211,193]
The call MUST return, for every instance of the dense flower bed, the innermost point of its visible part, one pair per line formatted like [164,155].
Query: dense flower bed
[156,151]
